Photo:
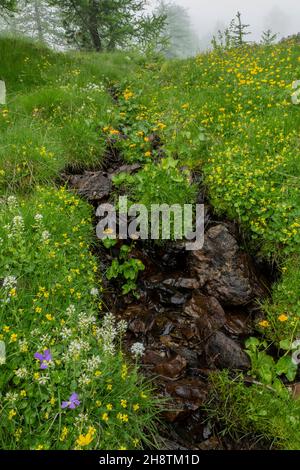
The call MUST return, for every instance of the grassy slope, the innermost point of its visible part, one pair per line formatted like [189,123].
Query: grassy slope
[226,115]
[230,116]
[51,295]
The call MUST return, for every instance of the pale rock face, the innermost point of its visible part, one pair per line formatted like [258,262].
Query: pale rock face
[2,92]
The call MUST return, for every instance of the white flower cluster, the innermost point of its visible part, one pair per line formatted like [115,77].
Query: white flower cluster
[94,87]
[76,347]
[45,340]
[9,282]
[81,419]
[92,363]
[17,226]
[22,373]
[43,379]
[66,332]
[137,350]
[38,218]
[11,397]
[108,334]
[12,202]
[71,310]
[109,331]
[94,291]
[85,321]
[23,345]
[84,380]
[45,235]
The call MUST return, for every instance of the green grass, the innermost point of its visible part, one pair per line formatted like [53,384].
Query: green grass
[230,116]
[50,285]
[226,117]
[256,413]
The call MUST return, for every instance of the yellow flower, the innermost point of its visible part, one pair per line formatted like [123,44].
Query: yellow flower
[105,417]
[13,338]
[52,401]
[11,414]
[148,154]
[23,393]
[124,371]
[264,323]
[122,417]
[114,132]
[283,317]
[64,434]
[38,309]
[85,440]
[136,407]
[109,387]
[124,403]
[136,442]
[109,407]
[13,292]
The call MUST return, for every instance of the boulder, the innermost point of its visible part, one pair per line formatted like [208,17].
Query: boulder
[224,353]
[222,270]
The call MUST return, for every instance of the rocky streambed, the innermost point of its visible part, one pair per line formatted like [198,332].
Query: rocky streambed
[194,312]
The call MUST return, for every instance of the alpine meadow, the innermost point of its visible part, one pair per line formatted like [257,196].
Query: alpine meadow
[124,343]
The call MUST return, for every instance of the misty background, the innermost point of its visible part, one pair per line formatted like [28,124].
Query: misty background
[207,17]
[177,28]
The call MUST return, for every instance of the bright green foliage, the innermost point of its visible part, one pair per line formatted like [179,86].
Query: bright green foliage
[230,116]
[126,267]
[52,303]
[50,285]
[7,5]
[256,412]
[57,105]
[265,368]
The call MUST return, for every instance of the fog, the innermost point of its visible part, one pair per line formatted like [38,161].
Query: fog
[281,16]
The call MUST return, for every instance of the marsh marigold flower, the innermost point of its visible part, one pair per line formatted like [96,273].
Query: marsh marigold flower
[283,317]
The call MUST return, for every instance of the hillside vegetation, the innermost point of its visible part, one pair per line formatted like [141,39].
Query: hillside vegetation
[228,118]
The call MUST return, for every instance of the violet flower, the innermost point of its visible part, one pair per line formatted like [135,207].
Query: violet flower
[44,358]
[72,403]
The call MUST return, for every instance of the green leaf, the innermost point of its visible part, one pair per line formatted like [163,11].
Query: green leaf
[286,366]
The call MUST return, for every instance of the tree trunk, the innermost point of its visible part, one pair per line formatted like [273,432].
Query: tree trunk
[93,25]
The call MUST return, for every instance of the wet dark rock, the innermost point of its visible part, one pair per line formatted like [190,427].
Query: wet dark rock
[167,444]
[152,358]
[93,186]
[211,444]
[208,313]
[172,367]
[181,282]
[223,352]
[189,355]
[238,324]
[188,395]
[222,270]
[140,319]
